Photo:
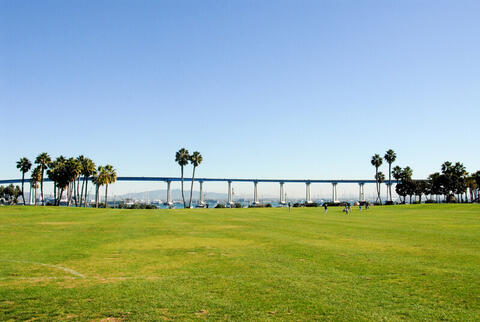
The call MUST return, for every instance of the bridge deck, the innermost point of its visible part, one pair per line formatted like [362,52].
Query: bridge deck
[165,179]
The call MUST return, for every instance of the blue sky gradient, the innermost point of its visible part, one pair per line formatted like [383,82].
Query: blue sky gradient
[290,89]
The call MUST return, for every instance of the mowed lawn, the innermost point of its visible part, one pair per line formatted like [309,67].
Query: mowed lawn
[387,263]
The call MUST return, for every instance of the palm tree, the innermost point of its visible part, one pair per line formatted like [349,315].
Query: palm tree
[74,169]
[390,157]
[78,195]
[111,177]
[54,172]
[377,162]
[43,160]
[100,179]
[24,165]
[35,178]
[397,172]
[88,170]
[380,178]
[195,159]
[182,157]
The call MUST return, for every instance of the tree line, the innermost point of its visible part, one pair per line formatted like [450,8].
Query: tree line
[453,182]
[69,176]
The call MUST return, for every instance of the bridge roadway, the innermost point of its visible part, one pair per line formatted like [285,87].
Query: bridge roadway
[307,183]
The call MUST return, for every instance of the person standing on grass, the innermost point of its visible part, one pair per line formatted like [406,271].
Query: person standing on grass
[289,207]
[325,205]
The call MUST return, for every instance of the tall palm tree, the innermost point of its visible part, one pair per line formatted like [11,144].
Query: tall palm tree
[74,169]
[111,177]
[397,174]
[195,159]
[52,174]
[24,165]
[380,177]
[182,157]
[88,170]
[56,169]
[100,179]
[43,160]
[377,162]
[78,195]
[390,157]
[35,178]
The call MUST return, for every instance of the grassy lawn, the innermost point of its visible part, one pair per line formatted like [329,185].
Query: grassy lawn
[387,263]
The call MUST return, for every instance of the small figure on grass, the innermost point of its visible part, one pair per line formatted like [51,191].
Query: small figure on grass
[325,205]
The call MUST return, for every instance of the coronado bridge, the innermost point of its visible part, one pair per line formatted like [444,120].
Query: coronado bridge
[281,182]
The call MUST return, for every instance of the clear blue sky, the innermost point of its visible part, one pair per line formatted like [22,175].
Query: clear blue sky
[292,89]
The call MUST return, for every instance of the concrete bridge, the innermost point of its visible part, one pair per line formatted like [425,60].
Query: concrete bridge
[201,181]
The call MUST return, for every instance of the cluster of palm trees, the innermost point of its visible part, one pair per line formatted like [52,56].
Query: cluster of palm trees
[69,176]
[183,157]
[453,182]
[377,161]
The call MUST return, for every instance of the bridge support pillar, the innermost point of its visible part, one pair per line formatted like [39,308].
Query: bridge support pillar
[201,199]
[334,192]
[282,194]
[230,194]
[169,194]
[308,199]
[255,193]
[361,196]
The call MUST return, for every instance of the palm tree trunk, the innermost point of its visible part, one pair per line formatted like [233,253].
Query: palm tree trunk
[183,195]
[390,180]
[379,188]
[191,188]
[77,196]
[81,192]
[96,196]
[23,185]
[86,190]
[41,189]
[60,196]
[74,190]
[106,192]
[69,193]
[54,193]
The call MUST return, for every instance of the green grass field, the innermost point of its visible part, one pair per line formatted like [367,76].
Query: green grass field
[387,263]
